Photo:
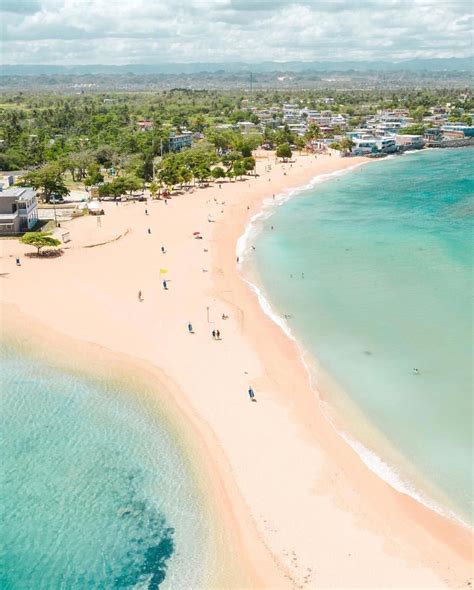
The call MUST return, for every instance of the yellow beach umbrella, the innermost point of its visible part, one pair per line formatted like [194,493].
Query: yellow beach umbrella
[163,271]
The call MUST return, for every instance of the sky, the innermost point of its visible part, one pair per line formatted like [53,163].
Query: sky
[72,32]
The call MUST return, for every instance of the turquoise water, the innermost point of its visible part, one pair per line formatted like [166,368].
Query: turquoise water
[386,251]
[95,491]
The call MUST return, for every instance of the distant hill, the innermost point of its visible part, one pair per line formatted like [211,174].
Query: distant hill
[432,65]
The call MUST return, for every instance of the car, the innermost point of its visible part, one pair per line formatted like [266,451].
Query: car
[56,199]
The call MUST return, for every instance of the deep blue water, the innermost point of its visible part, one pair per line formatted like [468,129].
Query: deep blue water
[386,252]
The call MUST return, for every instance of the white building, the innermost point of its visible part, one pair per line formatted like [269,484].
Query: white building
[413,142]
[18,210]
[246,126]
[373,145]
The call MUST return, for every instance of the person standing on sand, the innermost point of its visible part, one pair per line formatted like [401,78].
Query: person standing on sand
[18,262]
[218,335]
[146,211]
[252,395]
[163,251]
[165,285]
[149,230]
[190,328]
[214,334]
[139,295]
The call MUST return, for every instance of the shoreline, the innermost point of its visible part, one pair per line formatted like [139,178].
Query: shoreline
[290,526]
[399,480]
[152,390]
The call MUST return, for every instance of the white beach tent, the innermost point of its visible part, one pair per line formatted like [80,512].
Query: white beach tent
[95,208]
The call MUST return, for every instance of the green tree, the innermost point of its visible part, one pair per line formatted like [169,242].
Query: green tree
[218,172]
[95,176]
[105,156]
[40,240]
[168,171]
[313,132]
[119,186]
[412,130]
[249,164]
[300,143]
[418,114]
[221,140]
[230,159]
[154,188]
[284,151]
[78,163]
[202,173]
[346,144]
[198,124]
[48,179]
[239,169]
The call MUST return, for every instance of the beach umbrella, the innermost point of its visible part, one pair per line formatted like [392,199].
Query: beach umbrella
[163,271]
[196,233]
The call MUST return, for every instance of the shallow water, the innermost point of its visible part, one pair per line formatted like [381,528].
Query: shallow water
[96,492]
[375,269]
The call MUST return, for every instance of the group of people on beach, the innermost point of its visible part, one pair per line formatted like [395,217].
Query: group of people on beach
[216,335]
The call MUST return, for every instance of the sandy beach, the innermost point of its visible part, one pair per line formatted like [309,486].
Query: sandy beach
[296,506]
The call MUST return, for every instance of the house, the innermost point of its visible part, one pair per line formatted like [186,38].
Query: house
[18,210]
[291,113]
[297,128]
[338,121]
[433,134]
[226,127]
[386,145]
[364,146]
[410,142]
[454,130]
[373,145]
[246,126]
[180,141]
[144,125]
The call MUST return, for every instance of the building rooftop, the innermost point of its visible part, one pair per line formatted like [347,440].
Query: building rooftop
[22,193]
[8,216]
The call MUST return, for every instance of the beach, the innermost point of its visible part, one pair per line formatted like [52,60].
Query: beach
[298,506]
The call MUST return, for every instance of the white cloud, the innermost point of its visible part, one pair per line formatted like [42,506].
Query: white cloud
[158,31]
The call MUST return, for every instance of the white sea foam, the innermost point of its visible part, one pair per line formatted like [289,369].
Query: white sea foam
[372,460]
[395,479]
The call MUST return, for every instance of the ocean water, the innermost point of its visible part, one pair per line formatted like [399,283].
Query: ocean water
[95,491]
[375,270]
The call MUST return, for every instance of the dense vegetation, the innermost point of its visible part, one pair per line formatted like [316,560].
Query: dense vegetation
[89,135]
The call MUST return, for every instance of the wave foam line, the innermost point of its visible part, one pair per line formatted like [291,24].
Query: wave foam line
[269,204]
[371,460]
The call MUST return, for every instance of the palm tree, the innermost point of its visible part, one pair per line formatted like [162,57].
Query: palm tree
[154,188]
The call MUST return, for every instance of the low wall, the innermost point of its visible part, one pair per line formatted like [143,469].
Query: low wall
[450,143]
